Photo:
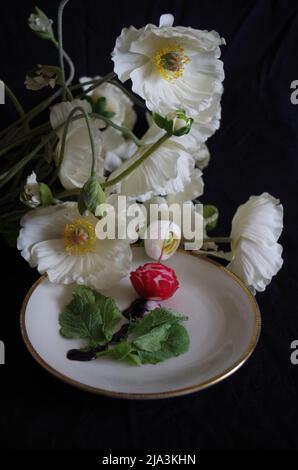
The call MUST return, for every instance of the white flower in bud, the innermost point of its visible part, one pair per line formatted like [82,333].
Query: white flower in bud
[31,194]
[162,239]
[41,24]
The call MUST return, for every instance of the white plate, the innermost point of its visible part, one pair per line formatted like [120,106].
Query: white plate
[224,325]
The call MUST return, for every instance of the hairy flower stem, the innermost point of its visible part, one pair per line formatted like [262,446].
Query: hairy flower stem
[137,163]
[63,141]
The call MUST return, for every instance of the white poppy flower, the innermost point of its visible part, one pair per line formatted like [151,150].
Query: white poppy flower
[116,148]
[117,102]
[62,243]
[171,66]
[256,227]
[77,160]
[170,170]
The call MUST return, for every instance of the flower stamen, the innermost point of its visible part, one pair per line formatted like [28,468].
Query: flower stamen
[79,237]
[170,61]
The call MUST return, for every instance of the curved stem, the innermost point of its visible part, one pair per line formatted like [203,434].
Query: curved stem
[62,54]
[63,141]
[14,100]
[127,132]
[137,163]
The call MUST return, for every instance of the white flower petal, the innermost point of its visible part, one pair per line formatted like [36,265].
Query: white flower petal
[256,227]
[166,20]
[77,160]
[44,223]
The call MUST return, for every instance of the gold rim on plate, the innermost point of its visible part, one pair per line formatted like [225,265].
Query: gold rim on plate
[143,396]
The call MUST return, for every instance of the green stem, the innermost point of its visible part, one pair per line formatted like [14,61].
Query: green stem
[15,101]
[137,163]
[9,174]
[134,98]
[63,141]
[60,48]
[125,131]
[217,239]
[32,113]
[67,193]
[33,133]
[100,81]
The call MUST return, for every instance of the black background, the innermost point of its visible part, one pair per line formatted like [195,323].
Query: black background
[255,150]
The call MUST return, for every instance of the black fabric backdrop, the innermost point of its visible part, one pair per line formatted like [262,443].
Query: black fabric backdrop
[255,150]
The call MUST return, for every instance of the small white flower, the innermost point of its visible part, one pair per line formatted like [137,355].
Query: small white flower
[162,239]
[62,243]
[117,102]
[187,220]
[170,170]
[31,193]
[76,164]
[171,66]
[256,227]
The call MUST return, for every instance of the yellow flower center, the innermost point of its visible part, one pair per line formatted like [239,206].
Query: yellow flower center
[170,244]
[170,61]
[79,237]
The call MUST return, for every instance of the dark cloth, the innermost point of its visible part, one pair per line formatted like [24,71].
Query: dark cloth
[255,150]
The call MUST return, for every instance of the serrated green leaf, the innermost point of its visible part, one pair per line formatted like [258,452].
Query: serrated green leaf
[90,315]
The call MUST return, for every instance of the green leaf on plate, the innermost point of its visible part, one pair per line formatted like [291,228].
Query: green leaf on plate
[90,315]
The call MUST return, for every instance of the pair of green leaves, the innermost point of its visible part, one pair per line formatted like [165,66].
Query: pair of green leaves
[155,338]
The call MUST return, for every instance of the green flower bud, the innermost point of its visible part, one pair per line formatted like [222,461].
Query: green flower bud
[175,123]
[91,196]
